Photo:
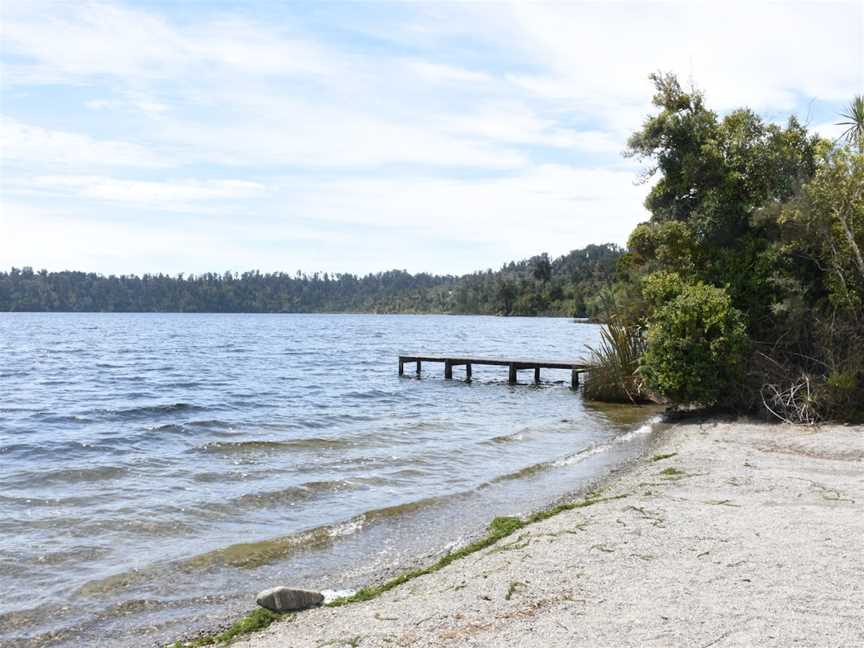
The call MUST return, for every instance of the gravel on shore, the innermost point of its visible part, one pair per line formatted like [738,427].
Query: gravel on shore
[749,534]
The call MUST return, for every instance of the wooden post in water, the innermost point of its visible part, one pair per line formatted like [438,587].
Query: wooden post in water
[513,365]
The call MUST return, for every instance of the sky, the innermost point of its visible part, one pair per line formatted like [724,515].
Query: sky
[443,137]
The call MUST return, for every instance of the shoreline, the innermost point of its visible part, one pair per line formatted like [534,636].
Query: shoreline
[567,578]
[643,426]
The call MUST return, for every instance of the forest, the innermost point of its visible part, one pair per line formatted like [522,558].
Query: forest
[575,285]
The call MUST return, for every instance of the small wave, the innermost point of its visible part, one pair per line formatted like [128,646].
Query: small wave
[264,445]
[579,456]
[261,500]
[249,555]
[255,554]
[370,394]
[61,418]
[508,438]
[399,510]
[210,423]
[642,430]
[168,427]
[81,553]
[151,410]
[286,496]
[73,475]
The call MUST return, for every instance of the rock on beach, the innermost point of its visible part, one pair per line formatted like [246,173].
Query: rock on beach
[288,599]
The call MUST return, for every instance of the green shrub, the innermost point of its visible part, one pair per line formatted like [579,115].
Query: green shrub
[697,343]
[841,396]
[614,374]
[661,287]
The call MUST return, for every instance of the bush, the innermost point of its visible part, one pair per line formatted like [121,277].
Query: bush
[614,365]
[697,343]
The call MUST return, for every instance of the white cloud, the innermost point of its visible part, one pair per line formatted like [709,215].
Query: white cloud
[351,224]
[135,101]
[21,142]
[595,57]
[168,194]
[74,42]
[552,207]
[294,133]
[519,125]
[439,73]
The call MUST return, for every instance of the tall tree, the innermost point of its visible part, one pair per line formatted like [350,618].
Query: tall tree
[854,121]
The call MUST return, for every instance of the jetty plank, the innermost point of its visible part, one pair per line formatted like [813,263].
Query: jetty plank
[513,364]
[520,363]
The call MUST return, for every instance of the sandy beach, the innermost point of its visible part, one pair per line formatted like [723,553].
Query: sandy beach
[730,534]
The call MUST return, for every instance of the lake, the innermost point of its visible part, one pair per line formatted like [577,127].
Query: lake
[156,470]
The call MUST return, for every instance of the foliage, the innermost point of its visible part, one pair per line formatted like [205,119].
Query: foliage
[854,121]
[696,346]
[614,374]
[825,225]
[670,245]
[712,171]
[750,270]
[256,620]
[536,286]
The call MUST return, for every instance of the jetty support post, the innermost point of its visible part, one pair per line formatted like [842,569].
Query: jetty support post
[574,379]
[512,376]
[468,372]
[418,368]
[448,370]
[401,367]
[536,375]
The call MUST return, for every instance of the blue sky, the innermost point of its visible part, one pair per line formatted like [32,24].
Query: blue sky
[356,137]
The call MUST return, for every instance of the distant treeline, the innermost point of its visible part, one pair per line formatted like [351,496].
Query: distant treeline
[576,284]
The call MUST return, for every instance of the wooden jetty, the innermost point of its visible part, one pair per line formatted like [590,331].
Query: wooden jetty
[575,367]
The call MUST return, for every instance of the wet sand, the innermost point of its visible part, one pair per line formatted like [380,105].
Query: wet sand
[749,534]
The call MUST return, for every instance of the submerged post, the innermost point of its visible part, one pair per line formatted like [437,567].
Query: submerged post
[468,372]
[574,379]
[512,377]
[536,375]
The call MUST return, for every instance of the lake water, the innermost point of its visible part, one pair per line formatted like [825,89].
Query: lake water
[158,470]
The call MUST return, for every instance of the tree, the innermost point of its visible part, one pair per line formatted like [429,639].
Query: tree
[542,268]
[825,223]
[854,121]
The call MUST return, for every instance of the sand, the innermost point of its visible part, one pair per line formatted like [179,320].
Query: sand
[753,536]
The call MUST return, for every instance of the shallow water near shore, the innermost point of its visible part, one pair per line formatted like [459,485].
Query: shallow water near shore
[157,470]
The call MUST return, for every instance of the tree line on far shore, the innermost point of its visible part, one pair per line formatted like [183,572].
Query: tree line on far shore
[576,285]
